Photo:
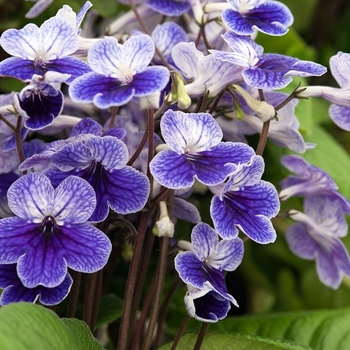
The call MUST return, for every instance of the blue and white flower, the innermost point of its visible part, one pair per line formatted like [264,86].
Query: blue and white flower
[247,203]
[196,151]
[120,73]
[264,71]
[39,50]
[50,232]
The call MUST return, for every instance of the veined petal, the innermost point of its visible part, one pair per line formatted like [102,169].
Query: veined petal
[190,269]
[19,68]
[204,240]
[186,56]
[22,42]
[30,197]
[228,254]
[42,264]
[75,201]
[139,51]
[265,79]
[86,249]
[167,35]
[340,116]
[169,7]
[149,81]
[74,155]
[172,170]
[104,92]
[190,132]
[340,68]
[105,58]
[69,65]
[15,236]
[237,23]
[127,190]
[109,151]
[59,39]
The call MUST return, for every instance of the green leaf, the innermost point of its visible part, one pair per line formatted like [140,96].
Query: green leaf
[330,156]
[26,326]
[81,334]
[233,341]
[325,329]
[111,308]
[107,8]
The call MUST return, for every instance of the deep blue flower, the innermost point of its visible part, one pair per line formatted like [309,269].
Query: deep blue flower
[49,232]
[14,291]
[169,7]
[102,162]
[269,17]
[247,203]
[264,71]
[39,50]
[203,267]
[196,151]
[316,237]
[120,72]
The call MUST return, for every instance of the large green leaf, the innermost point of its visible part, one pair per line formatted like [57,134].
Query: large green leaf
[234,341]
[25,326]
[321,330]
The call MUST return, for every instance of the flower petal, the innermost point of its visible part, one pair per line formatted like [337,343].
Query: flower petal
[30,197]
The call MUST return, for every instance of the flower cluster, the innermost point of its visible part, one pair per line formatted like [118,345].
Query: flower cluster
[123,128]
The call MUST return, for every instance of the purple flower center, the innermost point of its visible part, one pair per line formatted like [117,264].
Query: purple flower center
[49,226]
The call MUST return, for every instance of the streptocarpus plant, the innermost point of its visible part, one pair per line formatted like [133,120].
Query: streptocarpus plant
[136,169]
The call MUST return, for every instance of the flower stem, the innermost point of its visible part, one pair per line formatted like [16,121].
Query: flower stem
[180,332]
[264,132]
[201,336]
[73,296]
[164,245]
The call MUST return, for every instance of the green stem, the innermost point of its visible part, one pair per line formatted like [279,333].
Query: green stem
[264,132]
[73,295]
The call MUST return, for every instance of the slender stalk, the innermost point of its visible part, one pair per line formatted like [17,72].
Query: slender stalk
[163,312]
[145,310]
[264,132]
[201,336]
[73,295]
[180,332]
[113,116]
[125,325]
[164,244]
[139,147]
[11,126]
[19,142]
[96,304]
[89,300]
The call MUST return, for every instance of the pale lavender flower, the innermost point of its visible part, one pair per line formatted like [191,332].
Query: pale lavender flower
[316,237]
